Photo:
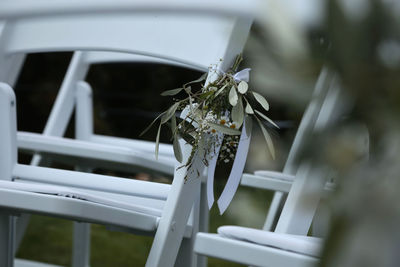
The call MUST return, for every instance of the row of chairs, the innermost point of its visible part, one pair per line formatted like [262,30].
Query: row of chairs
[175,33]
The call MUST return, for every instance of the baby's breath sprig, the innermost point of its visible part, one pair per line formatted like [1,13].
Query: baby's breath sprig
[219,106]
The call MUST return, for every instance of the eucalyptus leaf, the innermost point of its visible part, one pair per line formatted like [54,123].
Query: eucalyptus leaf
[249,125]
[243,87]
[267,119]
[202,78]
[188,89]
[171,92]
[151,124]
[206,94]
[158,141]
[249,109]
[267,139]
[237,113]
[169,113]
[220,90]
[173,125]
[233,97]
[177,149]
[260,99]
[225,130]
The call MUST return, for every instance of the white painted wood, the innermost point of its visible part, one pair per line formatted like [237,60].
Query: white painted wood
[214,245]
[302,201]
[7,239]
[83,131]
[29,263]
[306,126]
[92,181]
[71,33]
[85,149]
[99,57]
[273,182]
[8,158]
[81,245]
[62,110]
[146,146]
[8,151]
[25,8]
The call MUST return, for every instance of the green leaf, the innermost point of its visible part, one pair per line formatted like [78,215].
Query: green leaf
[267,139]
[223,129]
[169,113]
[220,90]
[202,78]
[243,87]
[151,124]
[177,149]
[249,125]
[188,89]
[233,97]
[260,99]
[206,94]
[158,141]
[173,125]
[237,113]
[249,109]
[171,92]
[267,119]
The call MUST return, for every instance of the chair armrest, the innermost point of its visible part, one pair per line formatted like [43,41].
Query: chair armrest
[274,181]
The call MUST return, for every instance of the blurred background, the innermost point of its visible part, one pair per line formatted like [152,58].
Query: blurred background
[359,40]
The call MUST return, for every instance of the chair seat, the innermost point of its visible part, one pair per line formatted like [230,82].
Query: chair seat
[88,205]
[307,245]
[216,245]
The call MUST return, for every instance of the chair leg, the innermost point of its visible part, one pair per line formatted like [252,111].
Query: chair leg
[7,239]
[186,256]
[81,245]
[274,211]
[175,215]
[203,220]
[83,131]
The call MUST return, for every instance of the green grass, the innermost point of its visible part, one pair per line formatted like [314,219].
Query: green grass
[49,239]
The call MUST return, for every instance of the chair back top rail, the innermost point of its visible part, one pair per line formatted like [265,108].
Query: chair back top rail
[26,8]
[173,34]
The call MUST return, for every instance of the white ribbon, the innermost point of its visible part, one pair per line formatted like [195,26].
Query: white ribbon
[236,172]
[212,163]
[242,75]
[237,169]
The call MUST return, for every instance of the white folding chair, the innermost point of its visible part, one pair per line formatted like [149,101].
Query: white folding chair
[281,182]
[289,244]
[80,27]
[78,94]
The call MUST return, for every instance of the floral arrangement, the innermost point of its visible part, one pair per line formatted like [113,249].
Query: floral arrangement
[218,107]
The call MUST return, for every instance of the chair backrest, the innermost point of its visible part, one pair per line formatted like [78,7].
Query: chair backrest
[306,127]
[175,36]
[186,33]
[310,179]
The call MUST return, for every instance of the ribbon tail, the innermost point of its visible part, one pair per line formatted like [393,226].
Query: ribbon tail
[211,170]
[242,75]
[237,169]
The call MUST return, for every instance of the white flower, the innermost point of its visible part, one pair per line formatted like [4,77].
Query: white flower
[226,160]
